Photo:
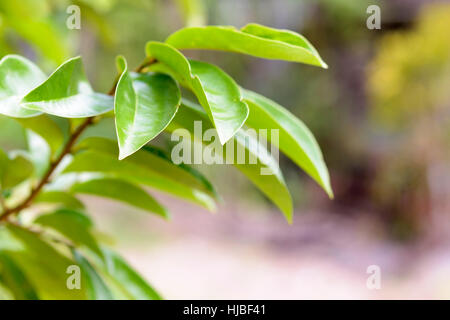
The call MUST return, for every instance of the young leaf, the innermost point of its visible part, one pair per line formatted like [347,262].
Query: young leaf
[144,105]
[217,92]
[100,162]
[72,224]
[122,191]
[18,76]
[95,286]
[130,283]
[295,139]
[272,185]
[253,39]
[67,93]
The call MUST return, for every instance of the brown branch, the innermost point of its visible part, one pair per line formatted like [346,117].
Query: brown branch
[147,62]
[67,149]
[46,178]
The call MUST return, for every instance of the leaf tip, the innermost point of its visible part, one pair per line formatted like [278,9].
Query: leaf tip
[123,155]
[330,193]
[290,220]
[121,64]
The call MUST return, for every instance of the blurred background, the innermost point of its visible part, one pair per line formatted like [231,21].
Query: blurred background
[381,114]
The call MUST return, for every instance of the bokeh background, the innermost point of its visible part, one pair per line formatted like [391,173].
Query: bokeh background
[381,114]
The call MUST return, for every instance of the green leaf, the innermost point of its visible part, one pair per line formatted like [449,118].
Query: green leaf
[17,77]
[217,92]
[95,286]
[100,162]
[295,139]
[122,191]
[4,162]
[18,170]
[144,105]
[271,183]
[151,162]
[67,93]
[187,173]
[127,280]
[16,281]
[73,225]
[65,199]
[155,160]
[253,39]
[41,263]
[44,126]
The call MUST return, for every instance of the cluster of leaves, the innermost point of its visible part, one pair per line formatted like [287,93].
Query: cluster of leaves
[35,252]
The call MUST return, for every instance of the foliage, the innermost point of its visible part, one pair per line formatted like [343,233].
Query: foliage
[424,75]
[39,244]
[409,96]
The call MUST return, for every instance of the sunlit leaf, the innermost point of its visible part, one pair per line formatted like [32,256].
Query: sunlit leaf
[67,93]
[253,39]
[18,76]
[144,105]
[122,191]
[265,173]
[217,92]
[294,139]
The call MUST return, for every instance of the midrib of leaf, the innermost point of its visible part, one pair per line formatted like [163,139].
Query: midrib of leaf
[133,124]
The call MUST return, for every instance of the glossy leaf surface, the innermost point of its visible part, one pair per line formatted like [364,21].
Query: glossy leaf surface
[217,92]
[253,39]
[144,105]
[18,76]
[67,93]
